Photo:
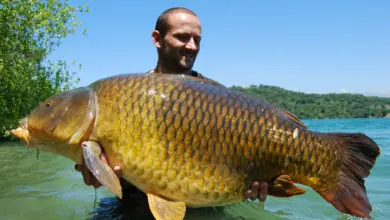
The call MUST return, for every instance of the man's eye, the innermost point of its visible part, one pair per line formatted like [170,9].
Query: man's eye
[197,40]
[183,37]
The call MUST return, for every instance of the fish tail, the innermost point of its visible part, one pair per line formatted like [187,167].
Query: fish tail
[349,194]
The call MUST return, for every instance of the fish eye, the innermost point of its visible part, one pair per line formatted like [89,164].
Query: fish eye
[49,103]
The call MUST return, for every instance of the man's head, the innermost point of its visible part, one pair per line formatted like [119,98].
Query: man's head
[177,37]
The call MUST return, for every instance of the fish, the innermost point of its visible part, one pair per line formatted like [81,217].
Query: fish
[186,142]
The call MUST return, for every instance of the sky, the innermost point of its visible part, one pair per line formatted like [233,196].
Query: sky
[308,46]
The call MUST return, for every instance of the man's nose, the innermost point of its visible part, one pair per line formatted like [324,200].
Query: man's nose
[192,45]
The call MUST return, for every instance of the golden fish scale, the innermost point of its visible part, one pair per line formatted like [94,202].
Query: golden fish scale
[192,142]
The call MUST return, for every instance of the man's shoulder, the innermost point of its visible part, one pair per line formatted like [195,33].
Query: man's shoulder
[197,75]
[211,81]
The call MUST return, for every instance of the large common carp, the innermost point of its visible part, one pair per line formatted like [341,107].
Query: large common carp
[186,142]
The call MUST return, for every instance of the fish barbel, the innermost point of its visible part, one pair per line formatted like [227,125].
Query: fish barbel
[186,142]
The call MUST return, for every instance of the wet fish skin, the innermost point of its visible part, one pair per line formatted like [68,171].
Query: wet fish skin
[217,139]
[187,140]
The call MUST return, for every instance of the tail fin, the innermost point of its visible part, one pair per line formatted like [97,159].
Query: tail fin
[349,196]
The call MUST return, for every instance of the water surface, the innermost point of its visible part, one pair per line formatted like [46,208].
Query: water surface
[50,188]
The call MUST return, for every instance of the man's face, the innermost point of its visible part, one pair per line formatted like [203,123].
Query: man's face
[180,45]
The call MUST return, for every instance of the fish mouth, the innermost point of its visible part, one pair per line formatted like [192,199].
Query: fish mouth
[22,132]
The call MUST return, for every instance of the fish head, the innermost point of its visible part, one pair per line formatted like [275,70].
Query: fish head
[59,122]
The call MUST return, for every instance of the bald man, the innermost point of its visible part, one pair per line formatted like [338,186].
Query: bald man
[177,37]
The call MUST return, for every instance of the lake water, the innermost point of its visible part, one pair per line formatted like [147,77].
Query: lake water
[50,188]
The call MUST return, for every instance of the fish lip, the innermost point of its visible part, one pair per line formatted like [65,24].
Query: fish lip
[22,132]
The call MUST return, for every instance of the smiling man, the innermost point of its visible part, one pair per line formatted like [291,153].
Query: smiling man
[177,37]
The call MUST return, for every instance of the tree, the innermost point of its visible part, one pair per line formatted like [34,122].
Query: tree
[30,30]
[321,105]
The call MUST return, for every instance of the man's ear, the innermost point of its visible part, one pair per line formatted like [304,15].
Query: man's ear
[156,37]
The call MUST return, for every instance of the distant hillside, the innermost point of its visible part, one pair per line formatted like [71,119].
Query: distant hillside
[331,105]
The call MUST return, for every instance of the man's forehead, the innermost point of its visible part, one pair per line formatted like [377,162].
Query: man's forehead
[182,19]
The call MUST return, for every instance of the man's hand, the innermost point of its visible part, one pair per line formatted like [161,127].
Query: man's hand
[258,190]
[89,179]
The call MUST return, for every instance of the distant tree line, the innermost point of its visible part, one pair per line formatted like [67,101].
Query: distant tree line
[308,106]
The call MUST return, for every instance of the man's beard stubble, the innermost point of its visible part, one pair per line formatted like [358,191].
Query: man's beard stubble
[173,60]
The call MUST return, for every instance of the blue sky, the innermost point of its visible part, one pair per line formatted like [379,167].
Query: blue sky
[308,46]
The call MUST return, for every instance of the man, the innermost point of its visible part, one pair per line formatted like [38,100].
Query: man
[177,37]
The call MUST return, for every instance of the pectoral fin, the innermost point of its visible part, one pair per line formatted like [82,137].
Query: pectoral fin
[102,172]
[163,209]
[282,186]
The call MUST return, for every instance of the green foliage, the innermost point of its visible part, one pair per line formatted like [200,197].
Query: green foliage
[30,30]
[321,105]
